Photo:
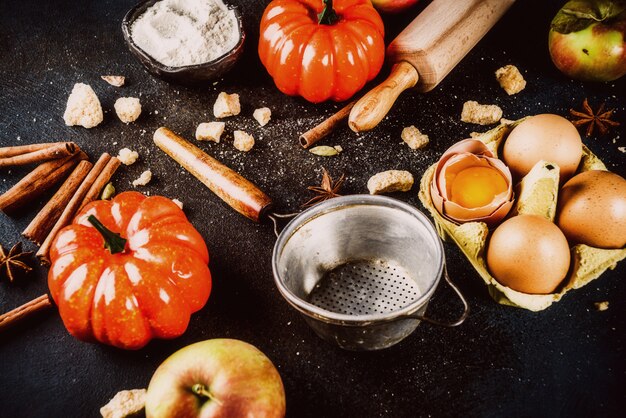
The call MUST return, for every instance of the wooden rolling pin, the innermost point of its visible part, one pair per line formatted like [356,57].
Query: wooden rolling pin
[426,51]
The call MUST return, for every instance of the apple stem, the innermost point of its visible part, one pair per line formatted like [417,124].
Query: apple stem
[201,390]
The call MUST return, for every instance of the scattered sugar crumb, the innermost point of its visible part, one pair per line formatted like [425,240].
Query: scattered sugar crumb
[226,105]
[211,131]
[114,80]
[262,115]
[127,156]
[127,109]
[143,179]
[601,306]
[83,107]
[243,141]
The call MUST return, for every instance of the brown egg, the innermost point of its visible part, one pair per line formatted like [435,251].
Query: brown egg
[592,209]
[529,254]
[545,137]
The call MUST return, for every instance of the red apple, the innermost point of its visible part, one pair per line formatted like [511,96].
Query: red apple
[393,6]
[587,39]
[216,378]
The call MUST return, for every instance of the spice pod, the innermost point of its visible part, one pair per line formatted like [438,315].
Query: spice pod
[536,194]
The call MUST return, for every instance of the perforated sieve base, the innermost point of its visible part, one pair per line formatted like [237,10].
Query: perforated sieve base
[364,288]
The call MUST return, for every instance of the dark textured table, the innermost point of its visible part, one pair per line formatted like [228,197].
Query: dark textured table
[565,361]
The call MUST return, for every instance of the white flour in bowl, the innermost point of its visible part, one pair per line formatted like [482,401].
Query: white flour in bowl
[186,32]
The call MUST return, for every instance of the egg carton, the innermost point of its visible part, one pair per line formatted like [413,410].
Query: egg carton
[536,194]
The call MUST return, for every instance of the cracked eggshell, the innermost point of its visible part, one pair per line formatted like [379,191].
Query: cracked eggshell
[469,145]
[465,154]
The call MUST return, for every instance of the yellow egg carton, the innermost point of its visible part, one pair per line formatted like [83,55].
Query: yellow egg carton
[536,194]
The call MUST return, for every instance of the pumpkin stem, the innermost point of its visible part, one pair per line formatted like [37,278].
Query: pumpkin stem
[112,241]
[328,15]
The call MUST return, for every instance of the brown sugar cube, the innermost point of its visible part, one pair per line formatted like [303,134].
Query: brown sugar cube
[390,181]
[473,112]
[510,79]
[414,138]
[125,404]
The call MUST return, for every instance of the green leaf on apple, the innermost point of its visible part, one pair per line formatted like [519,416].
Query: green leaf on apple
[576,15]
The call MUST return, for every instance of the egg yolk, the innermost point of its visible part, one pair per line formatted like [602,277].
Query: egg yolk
[475,187]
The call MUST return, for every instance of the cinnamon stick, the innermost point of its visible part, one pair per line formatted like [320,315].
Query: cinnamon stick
[42,178]
[239,193]
[59,150]
[12,151]
[313,135]
[12,317]
[40,226]
[103,178]
[72,207]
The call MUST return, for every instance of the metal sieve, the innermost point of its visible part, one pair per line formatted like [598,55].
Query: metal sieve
[361,269]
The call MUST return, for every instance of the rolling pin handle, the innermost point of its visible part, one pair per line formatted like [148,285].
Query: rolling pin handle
[373,107]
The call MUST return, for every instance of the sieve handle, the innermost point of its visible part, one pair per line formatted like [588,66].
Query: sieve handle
[459,321]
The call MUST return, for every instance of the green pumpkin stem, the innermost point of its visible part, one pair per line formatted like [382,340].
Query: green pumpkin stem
[328,15]
[201,390]
[112,241]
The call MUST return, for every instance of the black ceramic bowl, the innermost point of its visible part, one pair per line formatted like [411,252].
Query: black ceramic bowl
[190,74]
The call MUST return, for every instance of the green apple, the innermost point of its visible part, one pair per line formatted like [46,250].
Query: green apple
[587,39]
[216,378]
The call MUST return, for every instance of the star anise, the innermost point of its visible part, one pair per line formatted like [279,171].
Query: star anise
[600,118]
[327,190]
[13,262]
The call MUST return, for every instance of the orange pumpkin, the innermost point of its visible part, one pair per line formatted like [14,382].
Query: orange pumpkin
[129,270]
[320,49]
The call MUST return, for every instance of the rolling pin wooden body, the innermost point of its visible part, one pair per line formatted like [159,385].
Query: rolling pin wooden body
[426,51]
[232,188]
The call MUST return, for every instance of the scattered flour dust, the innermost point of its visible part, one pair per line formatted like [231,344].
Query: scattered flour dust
[186,32]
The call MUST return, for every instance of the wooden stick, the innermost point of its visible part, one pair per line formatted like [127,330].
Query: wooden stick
[12,317]
[58,150]
[72,207]
[42,178]
[42,224]
[103,178]
[311,136]
[6,152]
